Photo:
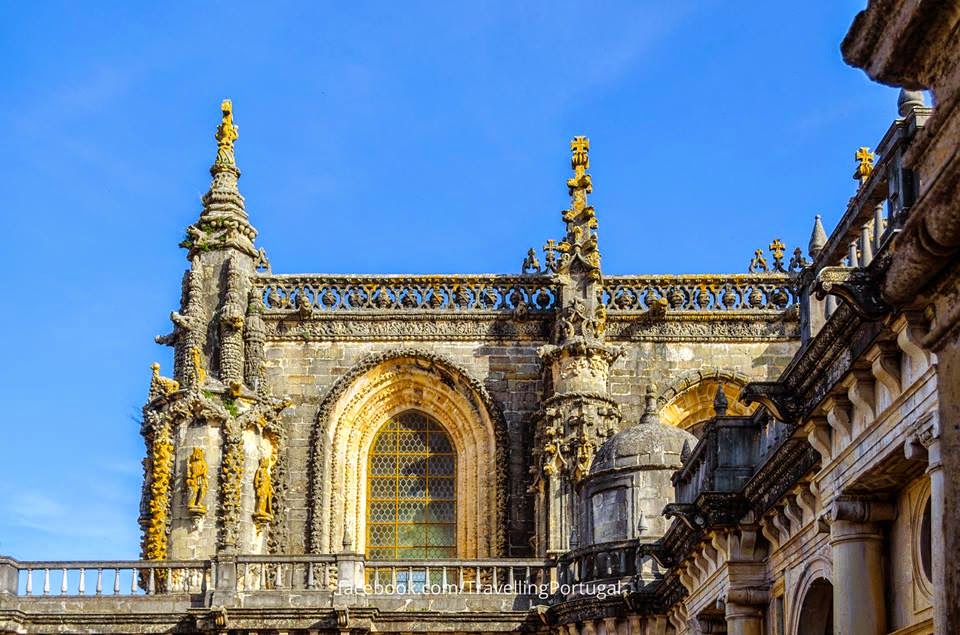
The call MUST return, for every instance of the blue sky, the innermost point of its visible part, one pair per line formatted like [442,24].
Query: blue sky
[374,137]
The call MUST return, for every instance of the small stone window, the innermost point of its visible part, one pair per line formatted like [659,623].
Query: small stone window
[926,542]
[411,491]
[609,515]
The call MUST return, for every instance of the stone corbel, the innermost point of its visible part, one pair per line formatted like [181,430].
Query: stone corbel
[720,541]
[806,500]
[743,543]
[782,523]
[770,532]
[712,557]
[818,435]
[884,361]
[793,512]
[775,397]
[911,331]
[859,287]
[837,408]
[860,390]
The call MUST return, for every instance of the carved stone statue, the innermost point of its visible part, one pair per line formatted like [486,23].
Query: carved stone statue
[197,482]
[263,489]
[227,134]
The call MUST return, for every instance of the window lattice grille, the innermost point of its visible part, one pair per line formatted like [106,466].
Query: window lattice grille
[411,490]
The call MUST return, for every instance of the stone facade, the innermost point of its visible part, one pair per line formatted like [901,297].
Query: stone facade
[769,452]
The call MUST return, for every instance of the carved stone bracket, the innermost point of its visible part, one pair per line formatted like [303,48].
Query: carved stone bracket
[859,287]
[775,397]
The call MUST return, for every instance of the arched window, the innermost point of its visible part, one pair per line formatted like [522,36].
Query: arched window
[411,505]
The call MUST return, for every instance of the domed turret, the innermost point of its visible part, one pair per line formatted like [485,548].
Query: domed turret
[629,482]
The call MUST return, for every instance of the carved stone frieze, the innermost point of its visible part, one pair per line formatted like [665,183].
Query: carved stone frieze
[444,326]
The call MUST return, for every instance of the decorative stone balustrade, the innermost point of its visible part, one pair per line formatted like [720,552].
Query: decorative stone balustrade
[518,577]
[344,574]
[404,293]
[607,561]
[766,292]
[122,577]
[722,461]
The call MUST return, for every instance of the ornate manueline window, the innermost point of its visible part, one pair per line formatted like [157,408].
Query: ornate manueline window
[411,490]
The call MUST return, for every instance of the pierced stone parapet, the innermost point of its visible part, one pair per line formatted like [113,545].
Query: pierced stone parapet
[480,293]
[762,292]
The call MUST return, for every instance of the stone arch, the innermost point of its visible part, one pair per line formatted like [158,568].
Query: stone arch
[689,400]
[812,606]
[379,387]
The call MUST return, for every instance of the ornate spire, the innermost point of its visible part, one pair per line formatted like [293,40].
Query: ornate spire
[223,222]
[580,243]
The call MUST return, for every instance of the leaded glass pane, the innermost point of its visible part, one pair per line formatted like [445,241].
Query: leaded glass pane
[383,465]
[411,535]
[412,465]
[440,535]
[383,488]
[440,443]
[409,442]
[383,534]
[441,488]
[440,465]
[413,488]
[411,491]
[441,512]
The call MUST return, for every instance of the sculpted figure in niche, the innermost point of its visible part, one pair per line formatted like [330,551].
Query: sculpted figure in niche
[197,482]
[263,488]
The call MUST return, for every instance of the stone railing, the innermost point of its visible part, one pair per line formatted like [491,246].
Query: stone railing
[626,563]
[722,461]
[734,292]
[519,577]
[120,577]
[875,214]
[323,293]
[764,292]
[343,573]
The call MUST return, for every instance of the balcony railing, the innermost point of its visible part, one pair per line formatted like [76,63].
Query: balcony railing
[338,574]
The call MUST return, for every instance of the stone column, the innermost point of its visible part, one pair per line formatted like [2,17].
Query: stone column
[743,607]
[857,541]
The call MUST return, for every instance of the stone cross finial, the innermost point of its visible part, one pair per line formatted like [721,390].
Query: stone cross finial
[777,248]
[720,402]
[581,184]
[864,160]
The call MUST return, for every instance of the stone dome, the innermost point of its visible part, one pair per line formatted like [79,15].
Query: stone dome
[649,443]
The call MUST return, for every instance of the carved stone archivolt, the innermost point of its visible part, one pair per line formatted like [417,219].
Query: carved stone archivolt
[353,411]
